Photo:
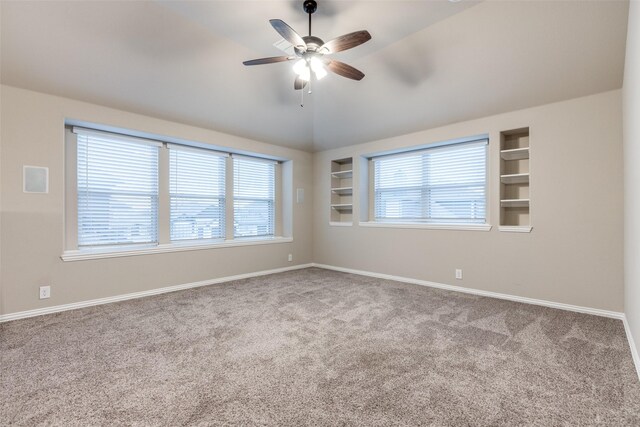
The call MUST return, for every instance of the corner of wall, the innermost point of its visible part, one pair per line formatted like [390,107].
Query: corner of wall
[631,148]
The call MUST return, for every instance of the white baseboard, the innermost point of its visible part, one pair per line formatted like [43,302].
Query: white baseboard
[632,345]
[544,303]
[124,297]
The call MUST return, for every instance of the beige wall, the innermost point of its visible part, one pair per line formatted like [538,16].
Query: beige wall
[631,95]
[574,253]
[31,225]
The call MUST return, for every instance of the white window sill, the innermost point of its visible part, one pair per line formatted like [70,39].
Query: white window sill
[125,251]
[464,227]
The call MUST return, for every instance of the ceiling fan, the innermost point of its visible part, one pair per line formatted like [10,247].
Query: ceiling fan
[311,51]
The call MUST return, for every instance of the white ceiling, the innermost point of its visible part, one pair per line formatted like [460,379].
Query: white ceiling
[429,63]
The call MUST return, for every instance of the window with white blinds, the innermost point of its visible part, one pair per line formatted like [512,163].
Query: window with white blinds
[117,188]
[196,193]
[446,184]
[254,191]
[140,195]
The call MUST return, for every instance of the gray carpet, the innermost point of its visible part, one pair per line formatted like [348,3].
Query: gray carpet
[316,347]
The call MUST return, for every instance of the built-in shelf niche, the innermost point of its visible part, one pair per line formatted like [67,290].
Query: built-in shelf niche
[515,177]
[342,191]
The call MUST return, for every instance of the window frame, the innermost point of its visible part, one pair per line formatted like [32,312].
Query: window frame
[371,221]
[181,195]
[71,251]
[147,151]
[271,201]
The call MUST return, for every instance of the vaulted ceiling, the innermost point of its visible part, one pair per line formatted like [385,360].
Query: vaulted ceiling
[429,63]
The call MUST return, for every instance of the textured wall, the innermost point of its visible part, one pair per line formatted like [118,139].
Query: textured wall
[574,254]
[631,94]
[32,224]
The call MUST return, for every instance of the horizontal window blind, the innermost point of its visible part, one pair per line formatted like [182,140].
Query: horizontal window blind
[117,186]
[446,184]
[253,197]
[197,194]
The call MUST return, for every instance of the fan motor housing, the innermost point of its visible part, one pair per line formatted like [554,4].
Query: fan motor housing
[313,43]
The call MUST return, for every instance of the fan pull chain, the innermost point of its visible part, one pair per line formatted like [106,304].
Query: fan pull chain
[302,98]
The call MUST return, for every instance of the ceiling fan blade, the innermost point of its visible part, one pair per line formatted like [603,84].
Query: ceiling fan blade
[344,70]
[288,33]
[270,60]
[345,42]
[299,84]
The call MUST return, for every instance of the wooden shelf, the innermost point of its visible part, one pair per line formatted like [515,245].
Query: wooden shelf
[515,181]
[517,178]
[343,191]
[514,203]
[515,154]
[345,161]
[342,174]
[342,207]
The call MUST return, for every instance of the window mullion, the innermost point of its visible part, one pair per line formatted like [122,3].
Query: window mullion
[426,192]
[277,208]
[230,197]
[164,209]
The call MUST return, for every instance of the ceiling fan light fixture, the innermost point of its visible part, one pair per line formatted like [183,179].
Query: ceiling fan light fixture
[299,66]
[318,68]
[310,51]
[306,75]
[302,70]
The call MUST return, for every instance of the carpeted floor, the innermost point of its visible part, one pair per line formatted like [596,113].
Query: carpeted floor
[317,347]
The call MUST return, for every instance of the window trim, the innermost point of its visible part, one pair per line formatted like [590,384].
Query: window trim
[430,226]
[274,201]
[131,250]
[71,252]
[390,223]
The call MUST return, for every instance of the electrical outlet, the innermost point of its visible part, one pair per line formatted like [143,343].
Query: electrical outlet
[459,273]
[290,257]
[45,292]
